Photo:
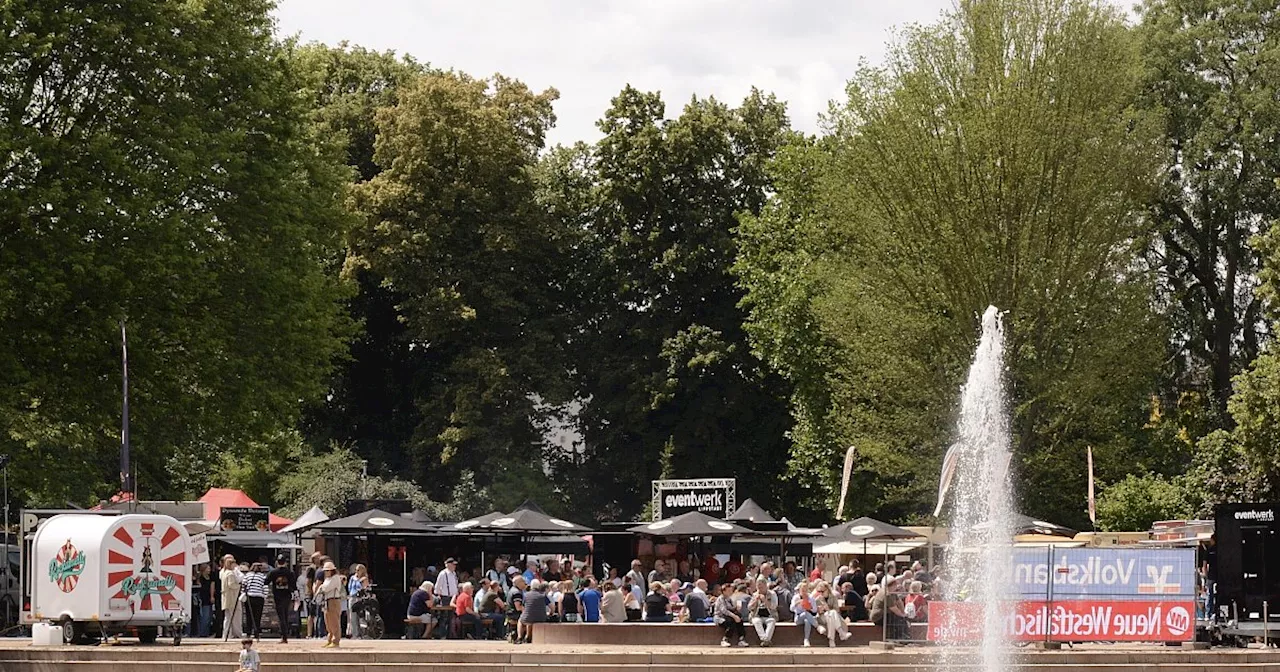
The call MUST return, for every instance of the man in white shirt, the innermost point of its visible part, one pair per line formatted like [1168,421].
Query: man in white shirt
[447,583]
[637,574]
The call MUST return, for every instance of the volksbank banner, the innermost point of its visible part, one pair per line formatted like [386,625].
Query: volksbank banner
[676,497]
[1126,573]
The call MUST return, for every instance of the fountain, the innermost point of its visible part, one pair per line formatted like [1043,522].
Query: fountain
[980,553]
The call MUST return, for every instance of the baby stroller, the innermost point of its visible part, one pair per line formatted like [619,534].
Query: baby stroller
[365,605]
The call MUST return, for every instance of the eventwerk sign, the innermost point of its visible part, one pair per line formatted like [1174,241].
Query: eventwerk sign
[713,496]
[1072,621]
[1127,573]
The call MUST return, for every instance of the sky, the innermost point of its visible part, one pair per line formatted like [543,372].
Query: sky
[589,49]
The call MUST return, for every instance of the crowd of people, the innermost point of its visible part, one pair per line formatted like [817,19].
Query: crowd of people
[506,601]
[509,600]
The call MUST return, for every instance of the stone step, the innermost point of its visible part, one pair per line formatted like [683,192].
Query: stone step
[534,666]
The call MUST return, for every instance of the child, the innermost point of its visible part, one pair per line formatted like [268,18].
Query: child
[249,660]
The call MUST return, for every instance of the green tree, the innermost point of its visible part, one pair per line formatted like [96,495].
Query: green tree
[330,478]
[994,159]
[452,228]
[1212,69]
[158,169]
[666,384]
[1136,502]
[372,403]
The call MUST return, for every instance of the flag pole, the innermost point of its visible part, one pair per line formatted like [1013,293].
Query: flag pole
[127,484]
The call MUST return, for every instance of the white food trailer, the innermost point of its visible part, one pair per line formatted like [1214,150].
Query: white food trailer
[110,574]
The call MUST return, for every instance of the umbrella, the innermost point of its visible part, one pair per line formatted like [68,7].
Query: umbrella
[692,524]
[530,518]
[373,520]
[868,529]
[1027,525]
[306,521]
[752,513]
[479,521]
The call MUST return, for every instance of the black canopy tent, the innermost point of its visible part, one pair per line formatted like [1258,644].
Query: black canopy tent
[870,529]
[381,531]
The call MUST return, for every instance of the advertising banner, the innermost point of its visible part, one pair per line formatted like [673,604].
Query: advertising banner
[244,519]
[199,549]
[1110,573]
[1071,621]
[714,497]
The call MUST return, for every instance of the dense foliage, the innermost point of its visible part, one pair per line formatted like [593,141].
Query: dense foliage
[331,259]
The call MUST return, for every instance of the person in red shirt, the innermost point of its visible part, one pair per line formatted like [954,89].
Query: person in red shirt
[464,606]
[816,574]
[711,569]
[733,569]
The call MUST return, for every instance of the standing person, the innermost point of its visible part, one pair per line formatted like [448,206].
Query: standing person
[764,612]
[569,608]
[614,578]
[535,611]
[230,578]
[447,589]
[306,612]
[658,573]
[818,570]
[255,589]
[331,593]
[356,583]
[282,582]
[636,574]
[199,590]
[589,602]
[728,618]
[498,576]
[734,569]
[805,611]
[315,624]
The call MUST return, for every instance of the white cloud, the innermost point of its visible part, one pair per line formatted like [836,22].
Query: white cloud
[803,52]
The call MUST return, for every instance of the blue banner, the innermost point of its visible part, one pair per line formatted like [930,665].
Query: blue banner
[1136,573]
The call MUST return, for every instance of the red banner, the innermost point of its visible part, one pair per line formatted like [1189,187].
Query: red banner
[1073,621]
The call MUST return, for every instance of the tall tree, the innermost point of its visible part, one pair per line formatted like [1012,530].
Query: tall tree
[666,382]
[452,228]
[992,160]
[157,169]
[1212,72]
[372,403]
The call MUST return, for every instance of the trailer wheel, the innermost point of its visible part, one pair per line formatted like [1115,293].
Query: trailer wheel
[71,632]
[148,635]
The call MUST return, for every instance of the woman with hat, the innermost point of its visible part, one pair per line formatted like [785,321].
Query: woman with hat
[331,592]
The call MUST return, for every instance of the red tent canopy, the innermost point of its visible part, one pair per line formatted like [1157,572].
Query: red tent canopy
[217,498]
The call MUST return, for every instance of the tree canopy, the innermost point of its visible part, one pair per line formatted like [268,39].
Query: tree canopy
[329,256]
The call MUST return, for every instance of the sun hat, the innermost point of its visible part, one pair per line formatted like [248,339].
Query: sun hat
[329,567]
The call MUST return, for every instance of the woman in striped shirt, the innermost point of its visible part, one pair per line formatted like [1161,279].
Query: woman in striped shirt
[255,589]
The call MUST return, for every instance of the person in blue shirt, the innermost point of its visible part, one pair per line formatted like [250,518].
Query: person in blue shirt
[589,602]
[531,571]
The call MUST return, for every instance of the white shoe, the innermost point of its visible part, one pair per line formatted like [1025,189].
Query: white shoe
[831,643]
[743,643]
[806,643]
[844,636]
[725,643]
[822,629]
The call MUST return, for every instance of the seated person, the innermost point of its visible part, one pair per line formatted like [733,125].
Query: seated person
[657,606]
[697,605]
[420,608]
